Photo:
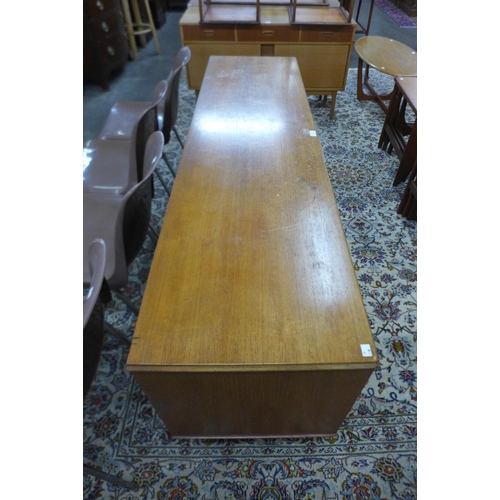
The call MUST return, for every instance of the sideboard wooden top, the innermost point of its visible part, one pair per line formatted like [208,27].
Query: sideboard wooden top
[252,270]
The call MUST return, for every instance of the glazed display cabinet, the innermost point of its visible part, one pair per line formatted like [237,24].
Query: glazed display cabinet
[318,34]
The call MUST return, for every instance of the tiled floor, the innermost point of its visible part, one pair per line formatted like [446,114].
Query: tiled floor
[138,78]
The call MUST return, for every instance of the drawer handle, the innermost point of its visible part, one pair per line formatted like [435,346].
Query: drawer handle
[327,33]
[268,33]
[100,5]
[104,26]
[111,50]
[209,33]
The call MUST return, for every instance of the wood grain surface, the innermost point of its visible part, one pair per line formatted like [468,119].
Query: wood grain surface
[387,55]
[252,270]
[252,321]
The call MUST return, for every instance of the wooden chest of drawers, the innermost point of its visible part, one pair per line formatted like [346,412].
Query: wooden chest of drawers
[105,46]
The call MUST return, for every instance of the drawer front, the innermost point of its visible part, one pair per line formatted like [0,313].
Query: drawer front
[268,33]
[321,66]
[113,51]
[219,33]
[107,26]
[327,33]
[98,8]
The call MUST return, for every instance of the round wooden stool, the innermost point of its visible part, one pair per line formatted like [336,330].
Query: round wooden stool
[387,56]
[138,27]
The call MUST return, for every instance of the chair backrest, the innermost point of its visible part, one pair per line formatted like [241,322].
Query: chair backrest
[136,207]
[145,127]
[148,123]
[108,215]
[168,112]
[159,92]
[97,265]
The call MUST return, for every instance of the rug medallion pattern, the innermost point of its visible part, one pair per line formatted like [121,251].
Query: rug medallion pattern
[373,455]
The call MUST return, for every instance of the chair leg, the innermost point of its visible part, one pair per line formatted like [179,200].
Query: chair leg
[153,233]
[117,481]
[117,333]
[178,137]
[168,165]
[163,183]
[127,301]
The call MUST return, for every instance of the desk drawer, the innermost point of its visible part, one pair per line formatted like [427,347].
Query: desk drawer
[219,33]
[327,33]
[268,33]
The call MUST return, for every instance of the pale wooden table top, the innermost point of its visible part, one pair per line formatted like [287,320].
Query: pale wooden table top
[387,55]
[252,270]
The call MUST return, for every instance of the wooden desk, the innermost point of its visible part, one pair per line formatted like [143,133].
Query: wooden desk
[252,320]
[323,50]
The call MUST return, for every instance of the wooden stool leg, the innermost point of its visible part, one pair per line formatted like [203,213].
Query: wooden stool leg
[138,21]
[130,29]
[152,25]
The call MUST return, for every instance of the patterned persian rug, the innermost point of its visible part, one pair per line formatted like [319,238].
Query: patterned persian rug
[396,14]
[373,455]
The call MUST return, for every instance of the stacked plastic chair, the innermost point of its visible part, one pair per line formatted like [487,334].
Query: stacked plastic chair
[121,219]
[93,334]
[119,125]
[114,161]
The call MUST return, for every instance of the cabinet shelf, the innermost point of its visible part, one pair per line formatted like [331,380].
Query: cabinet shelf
[300,11]
[320,13]
[229,11]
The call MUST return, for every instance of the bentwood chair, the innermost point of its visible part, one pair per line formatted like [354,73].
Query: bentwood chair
[93,334]
[121,221]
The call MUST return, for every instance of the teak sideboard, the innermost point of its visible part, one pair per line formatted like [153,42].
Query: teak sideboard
[320,38]
[252,323]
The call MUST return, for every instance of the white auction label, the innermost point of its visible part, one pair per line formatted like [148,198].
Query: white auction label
[366,350]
